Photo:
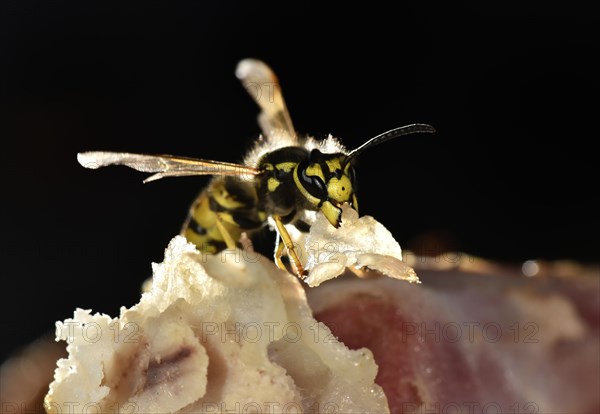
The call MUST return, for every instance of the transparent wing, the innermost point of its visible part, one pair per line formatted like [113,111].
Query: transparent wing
[262,84]
[164,165]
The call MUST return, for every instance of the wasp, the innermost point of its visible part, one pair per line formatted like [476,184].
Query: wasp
[283,176]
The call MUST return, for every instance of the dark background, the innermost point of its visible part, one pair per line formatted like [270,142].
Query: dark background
[513,93]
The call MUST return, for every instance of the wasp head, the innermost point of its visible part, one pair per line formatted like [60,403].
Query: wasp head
[327,182]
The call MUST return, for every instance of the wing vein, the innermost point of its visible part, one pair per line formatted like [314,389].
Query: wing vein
[164,165]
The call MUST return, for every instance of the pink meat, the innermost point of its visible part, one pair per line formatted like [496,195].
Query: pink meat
[467,343]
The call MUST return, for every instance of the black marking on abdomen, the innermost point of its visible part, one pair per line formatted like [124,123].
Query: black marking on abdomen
[215,244]
[196,227]
[245,222]
[215,206]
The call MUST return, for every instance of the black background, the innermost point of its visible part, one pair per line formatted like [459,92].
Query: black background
[510,174]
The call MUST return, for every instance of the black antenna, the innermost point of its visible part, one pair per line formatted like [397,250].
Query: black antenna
[386,136]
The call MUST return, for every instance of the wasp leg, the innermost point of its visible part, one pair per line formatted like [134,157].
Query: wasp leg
[279,252]
[246,243]
[287,241]
[229,242]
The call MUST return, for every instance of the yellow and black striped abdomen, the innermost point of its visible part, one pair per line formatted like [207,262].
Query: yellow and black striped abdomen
[227,205]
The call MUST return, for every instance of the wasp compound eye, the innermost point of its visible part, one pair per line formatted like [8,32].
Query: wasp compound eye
[313,184]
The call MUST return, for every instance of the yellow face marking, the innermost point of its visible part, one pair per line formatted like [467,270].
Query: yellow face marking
[339,189]
[315,169]
[268,166]
[286,166]
[334,164]
[332,213]
[272,184]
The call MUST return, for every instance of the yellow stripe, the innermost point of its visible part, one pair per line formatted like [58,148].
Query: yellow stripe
[334,164]
[286,166]
[202,213]
[200,240]
[272,184]
[314,170]
[207,219]
[332,213]
[227,218]
[222,196]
